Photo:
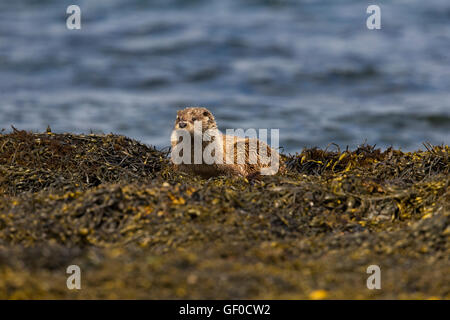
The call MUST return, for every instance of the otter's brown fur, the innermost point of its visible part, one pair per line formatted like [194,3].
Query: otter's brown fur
[185,121]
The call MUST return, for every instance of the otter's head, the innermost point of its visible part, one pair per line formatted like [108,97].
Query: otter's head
[187,117]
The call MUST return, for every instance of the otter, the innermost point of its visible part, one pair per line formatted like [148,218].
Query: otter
[235,156]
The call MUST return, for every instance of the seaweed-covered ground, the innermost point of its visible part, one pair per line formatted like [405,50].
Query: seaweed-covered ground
[114,207]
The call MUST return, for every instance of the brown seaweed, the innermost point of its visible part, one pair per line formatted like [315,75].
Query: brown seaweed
[140,230]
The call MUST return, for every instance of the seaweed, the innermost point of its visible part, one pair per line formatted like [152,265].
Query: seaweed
[32,162]
[109,203]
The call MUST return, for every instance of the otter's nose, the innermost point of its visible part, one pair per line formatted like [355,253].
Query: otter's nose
[182,124]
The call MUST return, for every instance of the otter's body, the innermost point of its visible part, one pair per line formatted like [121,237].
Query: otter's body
[243,149]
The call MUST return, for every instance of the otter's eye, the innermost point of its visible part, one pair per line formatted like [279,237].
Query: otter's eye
[194,119]
[205,113]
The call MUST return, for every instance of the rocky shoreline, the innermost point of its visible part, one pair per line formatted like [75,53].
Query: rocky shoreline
[114,207]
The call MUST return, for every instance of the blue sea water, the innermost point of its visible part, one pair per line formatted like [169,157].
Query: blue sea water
[309,68]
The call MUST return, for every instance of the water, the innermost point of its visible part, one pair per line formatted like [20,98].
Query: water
[310,68]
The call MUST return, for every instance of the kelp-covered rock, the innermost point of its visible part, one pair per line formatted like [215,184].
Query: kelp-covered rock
[33,162]
[137,229]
